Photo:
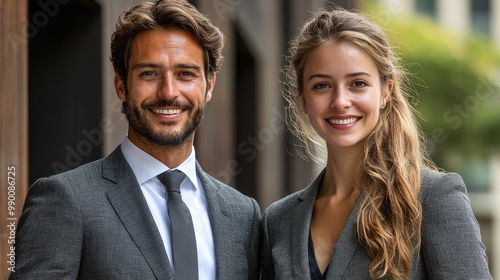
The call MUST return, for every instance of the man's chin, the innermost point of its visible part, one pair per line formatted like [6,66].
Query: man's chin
[166,140]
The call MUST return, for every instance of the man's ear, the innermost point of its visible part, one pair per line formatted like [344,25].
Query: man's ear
[210,88]
[119,87]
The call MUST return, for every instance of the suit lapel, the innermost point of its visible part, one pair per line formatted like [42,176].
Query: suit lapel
[301,226]
[220,214]
[132,209]
[346,246]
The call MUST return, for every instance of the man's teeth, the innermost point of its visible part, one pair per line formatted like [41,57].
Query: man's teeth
[167,111]
[343,121]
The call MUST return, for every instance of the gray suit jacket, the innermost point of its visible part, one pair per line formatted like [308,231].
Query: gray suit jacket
[451,242]
[94,223]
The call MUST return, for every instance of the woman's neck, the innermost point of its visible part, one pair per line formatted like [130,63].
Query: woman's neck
[342,173]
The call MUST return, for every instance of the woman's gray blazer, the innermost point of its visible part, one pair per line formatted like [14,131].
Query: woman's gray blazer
[451,242]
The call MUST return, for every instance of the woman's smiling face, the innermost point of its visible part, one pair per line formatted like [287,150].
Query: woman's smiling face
[342,93]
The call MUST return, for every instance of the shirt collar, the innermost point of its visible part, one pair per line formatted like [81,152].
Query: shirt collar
[146,167]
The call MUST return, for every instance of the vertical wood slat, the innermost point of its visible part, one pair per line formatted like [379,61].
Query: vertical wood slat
[14,117]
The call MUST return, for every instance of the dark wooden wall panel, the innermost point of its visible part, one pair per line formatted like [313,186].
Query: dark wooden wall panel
[13,125]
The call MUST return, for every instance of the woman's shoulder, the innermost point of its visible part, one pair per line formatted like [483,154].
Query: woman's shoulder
[435,183]
[448,220]
[431,177]
[443,191]
[287,203]
[303,198]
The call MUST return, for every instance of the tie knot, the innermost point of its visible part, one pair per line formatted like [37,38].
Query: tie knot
[172,180]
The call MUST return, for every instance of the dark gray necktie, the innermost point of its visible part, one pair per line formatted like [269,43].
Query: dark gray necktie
[185,258]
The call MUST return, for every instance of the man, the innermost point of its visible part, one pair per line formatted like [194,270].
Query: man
[110,219]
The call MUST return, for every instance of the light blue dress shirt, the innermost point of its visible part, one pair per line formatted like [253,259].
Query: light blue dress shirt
[146,168]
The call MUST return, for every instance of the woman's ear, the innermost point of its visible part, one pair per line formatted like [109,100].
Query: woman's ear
[303,103]
[387,92]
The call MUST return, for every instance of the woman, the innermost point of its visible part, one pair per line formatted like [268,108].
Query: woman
[379,210]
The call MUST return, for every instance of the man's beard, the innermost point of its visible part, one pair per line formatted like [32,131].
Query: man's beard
[137,119]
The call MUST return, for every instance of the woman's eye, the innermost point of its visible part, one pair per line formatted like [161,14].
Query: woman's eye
[359,84]
[320,86]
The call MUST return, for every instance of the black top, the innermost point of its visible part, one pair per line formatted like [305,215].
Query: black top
[313,264]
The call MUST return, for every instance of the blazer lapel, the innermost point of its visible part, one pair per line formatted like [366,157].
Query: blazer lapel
[132,209]
[220,214]
[346,246]
[301,226]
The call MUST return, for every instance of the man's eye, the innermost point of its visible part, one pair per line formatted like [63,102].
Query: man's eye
[148,74]
[186,74]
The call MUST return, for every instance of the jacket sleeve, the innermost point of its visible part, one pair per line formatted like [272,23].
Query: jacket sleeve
[49,235]
[451,239]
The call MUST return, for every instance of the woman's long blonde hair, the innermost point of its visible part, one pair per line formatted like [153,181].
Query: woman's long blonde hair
[389,218]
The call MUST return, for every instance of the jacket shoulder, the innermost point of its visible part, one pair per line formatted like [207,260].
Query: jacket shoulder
[283,207]
[437,184]
[230,194]
[92,174]
[77,175]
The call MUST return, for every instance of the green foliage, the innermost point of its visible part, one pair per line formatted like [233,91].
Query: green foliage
[456,83]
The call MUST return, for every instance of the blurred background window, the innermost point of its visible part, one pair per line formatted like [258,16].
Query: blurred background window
[480,16]
[426,7]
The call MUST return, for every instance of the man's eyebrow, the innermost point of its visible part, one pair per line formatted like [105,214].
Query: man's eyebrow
[146,65]
[178,66]
[189,66]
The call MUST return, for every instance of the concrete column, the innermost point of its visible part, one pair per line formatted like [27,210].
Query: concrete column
[215,137]
[112,115]
[262,25]
[398,6]
[454,15]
